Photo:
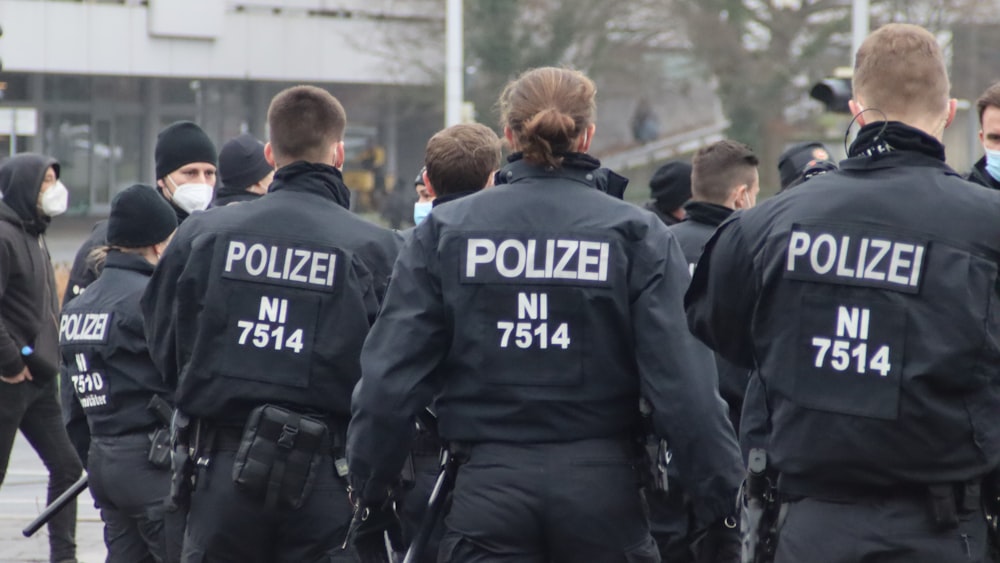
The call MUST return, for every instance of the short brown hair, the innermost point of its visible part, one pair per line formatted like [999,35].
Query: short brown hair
[990,98]
[899,70]
[461,158]
[547,109]
[719,168]
[304,121]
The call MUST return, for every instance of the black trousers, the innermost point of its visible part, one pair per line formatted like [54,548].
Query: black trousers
[226,525]
[671,524]
[131,493]
[562,502]
[426,468]
[893,530]
[36,412]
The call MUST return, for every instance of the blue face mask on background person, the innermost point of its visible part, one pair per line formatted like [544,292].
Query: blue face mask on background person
[993,163]
[421,211]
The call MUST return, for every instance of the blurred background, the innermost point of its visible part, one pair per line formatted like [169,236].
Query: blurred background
[91,82]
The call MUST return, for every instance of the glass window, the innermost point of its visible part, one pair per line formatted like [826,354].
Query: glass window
[67,139]
[59,88]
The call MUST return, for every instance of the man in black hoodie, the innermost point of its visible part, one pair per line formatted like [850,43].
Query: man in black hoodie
[32,194]
[186,172]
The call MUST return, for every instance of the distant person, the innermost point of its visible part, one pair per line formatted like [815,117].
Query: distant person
[186,163]
[986,172]
[32,195]
[803,160]
[425,198]
[670,188]
[460,161]
[244,171]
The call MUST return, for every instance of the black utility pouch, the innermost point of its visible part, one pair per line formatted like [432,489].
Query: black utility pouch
[279,455]
[159,448]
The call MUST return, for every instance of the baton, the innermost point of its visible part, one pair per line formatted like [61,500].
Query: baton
[57,505]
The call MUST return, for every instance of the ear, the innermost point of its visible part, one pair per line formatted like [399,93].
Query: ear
[269,155]
[857,110]
[952,108]
[338,155]
[162,184]
[509,135]
[588,137]
[428,185]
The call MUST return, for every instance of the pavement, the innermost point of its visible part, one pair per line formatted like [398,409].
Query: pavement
[23,493]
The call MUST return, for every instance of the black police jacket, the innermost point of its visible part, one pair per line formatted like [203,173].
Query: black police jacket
[108,376]
[538,311]
[869,302]
[979,175]
[692,233]
[269,301]
[84,270]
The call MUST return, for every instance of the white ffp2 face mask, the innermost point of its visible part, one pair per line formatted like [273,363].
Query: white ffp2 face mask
[192,197]
[55,200]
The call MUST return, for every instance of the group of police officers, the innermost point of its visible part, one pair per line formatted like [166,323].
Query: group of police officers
[540,324]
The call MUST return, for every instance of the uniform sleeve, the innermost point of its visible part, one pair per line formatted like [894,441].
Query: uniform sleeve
[755,423]
[408,340]
[74,418]
[159,308]
[720,301]
[678,378]
[83,273]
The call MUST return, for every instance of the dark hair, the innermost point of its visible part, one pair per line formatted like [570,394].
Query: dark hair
[719,168]
[461,158]
[990,98]
[304,121]
[547,109]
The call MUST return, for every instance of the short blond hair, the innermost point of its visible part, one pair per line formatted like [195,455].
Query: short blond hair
[899,69]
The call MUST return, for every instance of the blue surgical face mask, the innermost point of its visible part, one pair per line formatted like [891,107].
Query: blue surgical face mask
[421,211]
[993,163]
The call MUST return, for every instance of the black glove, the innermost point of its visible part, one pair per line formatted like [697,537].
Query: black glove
[372,525]
[719,543]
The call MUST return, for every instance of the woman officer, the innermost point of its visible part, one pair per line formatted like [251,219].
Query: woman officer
[109,371]
[535,314]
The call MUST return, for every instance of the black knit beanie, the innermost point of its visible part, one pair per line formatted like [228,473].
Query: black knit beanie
[670,185]
[140,217]
[242,163]
[180,143]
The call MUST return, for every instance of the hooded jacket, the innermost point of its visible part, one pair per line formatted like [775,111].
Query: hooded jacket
[27,286]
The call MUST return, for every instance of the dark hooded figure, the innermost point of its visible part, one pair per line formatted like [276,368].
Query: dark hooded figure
[32,194]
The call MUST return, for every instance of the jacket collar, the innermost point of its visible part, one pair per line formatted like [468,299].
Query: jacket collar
[311,177]
[125,261]
[707,213]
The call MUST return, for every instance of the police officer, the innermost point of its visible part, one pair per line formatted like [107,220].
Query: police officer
[258,311]
[456,159]
[537,313]
[185,170]
[723,178]
[244,171]
[109,371]
[866,302]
